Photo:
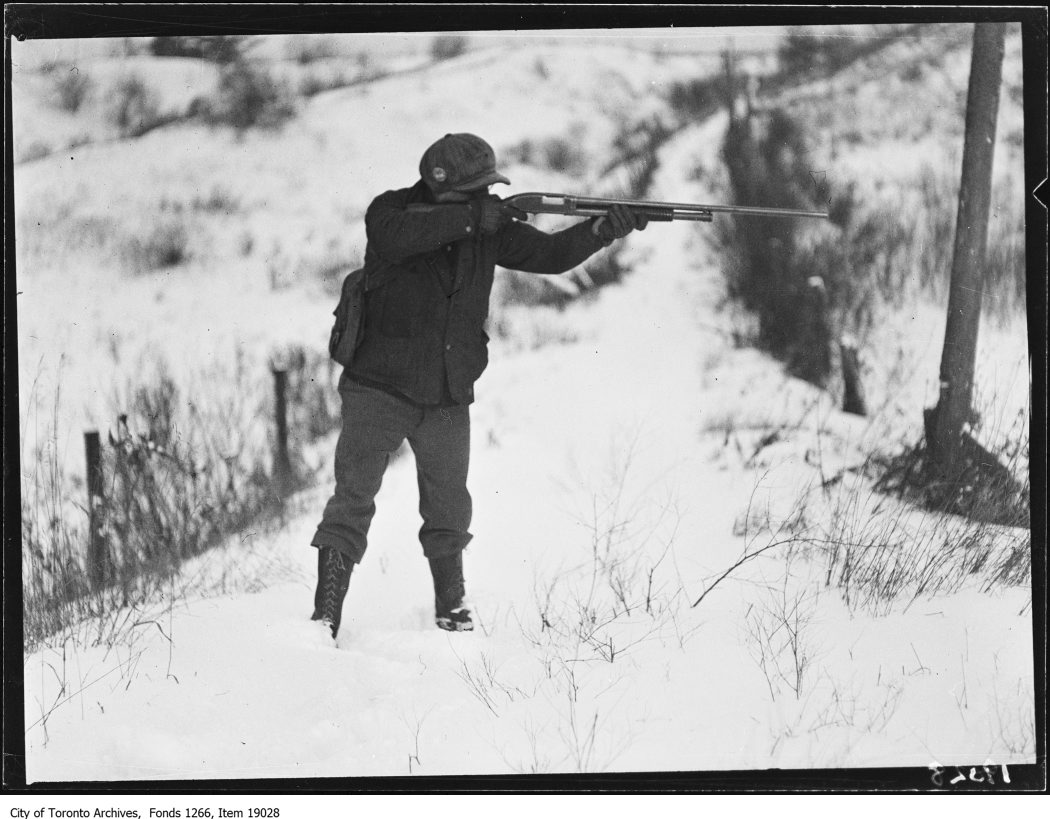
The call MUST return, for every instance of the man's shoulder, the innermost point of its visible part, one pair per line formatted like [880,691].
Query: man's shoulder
[401,196]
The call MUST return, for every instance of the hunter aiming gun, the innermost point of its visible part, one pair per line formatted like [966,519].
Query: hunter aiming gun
[655,211]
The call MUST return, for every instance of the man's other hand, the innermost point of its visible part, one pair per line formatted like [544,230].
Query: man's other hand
[620,221]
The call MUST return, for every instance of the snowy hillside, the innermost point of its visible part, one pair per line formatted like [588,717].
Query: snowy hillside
[653,501]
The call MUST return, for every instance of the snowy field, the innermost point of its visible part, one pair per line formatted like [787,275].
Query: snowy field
[621,466]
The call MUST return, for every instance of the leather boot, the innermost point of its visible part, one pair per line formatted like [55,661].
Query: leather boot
[450,612]
[333,579]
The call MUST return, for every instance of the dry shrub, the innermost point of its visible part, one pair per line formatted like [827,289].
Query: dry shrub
[557,153]
[37,149]
[132,106]
[635,159]
[165,244]
[696,99]
[448,46]
[248,96]
[310,48]
[72,89]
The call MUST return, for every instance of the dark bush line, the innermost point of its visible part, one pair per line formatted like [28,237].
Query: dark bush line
[766,162]
[804,57]
[220,49]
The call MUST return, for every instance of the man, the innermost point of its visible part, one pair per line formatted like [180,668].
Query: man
[429,261]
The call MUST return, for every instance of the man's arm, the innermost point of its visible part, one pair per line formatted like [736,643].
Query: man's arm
[523,247]
[397,231]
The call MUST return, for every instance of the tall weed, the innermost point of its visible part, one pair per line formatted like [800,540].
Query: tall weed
[933,242]
[880,554]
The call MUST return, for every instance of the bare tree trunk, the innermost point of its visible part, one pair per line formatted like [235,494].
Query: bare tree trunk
[964,301]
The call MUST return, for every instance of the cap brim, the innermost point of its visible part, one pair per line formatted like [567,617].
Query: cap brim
[482,181]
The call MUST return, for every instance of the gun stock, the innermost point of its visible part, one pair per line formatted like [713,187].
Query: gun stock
[569,205]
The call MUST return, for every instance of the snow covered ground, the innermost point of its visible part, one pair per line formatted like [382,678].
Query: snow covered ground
[618,471]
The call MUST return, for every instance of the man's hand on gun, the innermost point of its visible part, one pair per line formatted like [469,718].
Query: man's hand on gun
[620,221]
[493,213]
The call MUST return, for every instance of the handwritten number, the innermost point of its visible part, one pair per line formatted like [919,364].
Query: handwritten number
[937,775]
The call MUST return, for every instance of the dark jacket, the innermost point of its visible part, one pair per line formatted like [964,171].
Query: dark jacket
[428,277]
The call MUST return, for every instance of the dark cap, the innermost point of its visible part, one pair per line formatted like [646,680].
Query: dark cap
[459,162]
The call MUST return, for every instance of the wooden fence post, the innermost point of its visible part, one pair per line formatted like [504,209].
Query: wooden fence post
[98,557]
[811,357]
[282,464]
[853,390]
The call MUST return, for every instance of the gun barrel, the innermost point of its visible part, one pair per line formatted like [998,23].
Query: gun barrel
[666,211]
[751,211]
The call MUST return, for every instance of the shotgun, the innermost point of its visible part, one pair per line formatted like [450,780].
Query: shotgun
[568,205]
